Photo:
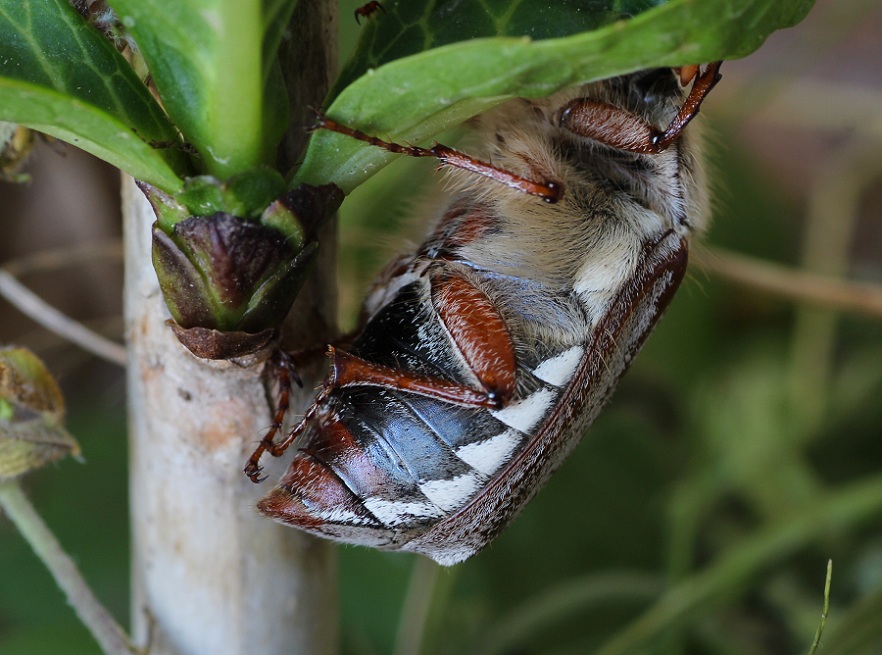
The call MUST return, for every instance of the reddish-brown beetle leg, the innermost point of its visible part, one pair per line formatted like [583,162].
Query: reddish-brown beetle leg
[477,331]
[549,190]
[351,371]
[619,128]
[702,85]
[280,367]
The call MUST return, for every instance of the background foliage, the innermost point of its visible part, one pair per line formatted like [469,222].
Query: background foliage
[745,418]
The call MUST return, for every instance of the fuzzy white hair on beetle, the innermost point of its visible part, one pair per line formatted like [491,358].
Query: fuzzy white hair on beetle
[485,354]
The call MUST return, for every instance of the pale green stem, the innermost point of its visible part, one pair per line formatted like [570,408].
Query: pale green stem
[104,628]
[832,217]
[817,640]
[417,603]
[857,629]
[34,307]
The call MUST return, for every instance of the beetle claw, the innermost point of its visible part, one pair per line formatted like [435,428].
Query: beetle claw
[253,472]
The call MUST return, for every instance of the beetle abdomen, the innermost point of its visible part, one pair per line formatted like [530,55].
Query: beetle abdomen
[399,470]
[391,463]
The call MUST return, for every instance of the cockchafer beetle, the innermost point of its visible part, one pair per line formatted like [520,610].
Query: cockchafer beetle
[484,356]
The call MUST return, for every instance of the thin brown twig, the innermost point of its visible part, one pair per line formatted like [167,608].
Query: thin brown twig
[30,304]
[842,295]
[64,256]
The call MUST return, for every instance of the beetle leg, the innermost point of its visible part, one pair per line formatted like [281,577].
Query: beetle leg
[476,330]
[277,449]
[280,367]
[704,82]
[687,73]
[621,129]
[368,10]
[347,370]
[549,190]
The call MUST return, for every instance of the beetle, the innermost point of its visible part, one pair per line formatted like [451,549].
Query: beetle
[368,10]
[484,355]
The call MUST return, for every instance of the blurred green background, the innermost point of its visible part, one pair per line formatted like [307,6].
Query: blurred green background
[740,453]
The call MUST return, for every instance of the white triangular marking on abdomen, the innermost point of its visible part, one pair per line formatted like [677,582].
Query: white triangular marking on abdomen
[559,370]
[338,515]
[525,414]
[489,455]
[453,493]
[396,512]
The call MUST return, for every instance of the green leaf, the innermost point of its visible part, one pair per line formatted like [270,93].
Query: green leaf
[61,77]
[414,98]
[207,60]
[406,28]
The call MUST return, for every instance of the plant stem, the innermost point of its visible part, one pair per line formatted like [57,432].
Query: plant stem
[831,222]
[793,284]
[107,632]
[825,612]
[210,574]
[417,603]
[30,304]
[856,630]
